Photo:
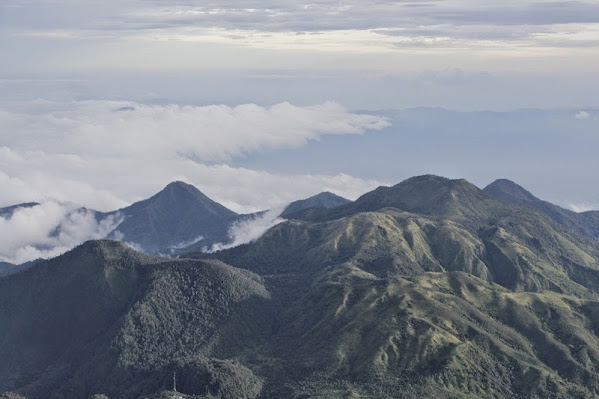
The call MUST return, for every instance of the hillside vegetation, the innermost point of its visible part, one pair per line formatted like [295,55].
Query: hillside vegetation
[430,288]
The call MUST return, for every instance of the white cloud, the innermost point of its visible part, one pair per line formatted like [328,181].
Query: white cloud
[49,229]
[185,244]
[209,133]
[582,115]
[105,154]
[249,230]
[583,207]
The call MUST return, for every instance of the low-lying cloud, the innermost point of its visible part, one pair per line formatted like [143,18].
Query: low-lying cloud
[582,115]
[49,229]
[249,230]
[104,155]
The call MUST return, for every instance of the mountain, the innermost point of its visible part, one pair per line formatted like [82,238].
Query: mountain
[105,319]
[430,224]
[585,223]
[429,288]
[176,217]
[5,267]
[322,200]
[8,211]
[427,195]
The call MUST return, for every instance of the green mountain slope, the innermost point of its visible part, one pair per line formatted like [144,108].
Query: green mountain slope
[585,223]
[455,227]
[440,335]
[430,288]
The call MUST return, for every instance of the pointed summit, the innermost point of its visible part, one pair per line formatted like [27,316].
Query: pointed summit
[178,214]
[179,193]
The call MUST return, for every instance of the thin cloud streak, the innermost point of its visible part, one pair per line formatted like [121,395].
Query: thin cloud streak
[267,23]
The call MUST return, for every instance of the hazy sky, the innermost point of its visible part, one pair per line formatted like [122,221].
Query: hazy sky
[259,102]
[368,54]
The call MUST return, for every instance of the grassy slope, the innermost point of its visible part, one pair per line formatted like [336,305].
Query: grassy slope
[530,255]
[584,223]
[444,333]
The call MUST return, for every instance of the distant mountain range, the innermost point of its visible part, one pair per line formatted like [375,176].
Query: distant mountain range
[179,219]
[431,288]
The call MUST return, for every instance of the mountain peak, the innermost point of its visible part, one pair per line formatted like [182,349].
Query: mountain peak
[507,190]
[427,194]
[325,199]
[177,214]
[435,181]
[179,187]
[8,211]
[178,184]
[104,249]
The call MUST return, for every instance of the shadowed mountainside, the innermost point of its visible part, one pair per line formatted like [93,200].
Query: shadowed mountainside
[104,318]
[176,217]
[5,267]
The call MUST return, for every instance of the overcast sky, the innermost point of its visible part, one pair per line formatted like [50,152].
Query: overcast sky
[258,103]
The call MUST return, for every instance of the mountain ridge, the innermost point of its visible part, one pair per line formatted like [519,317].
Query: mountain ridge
[429,288]
[324,199]
[585,223]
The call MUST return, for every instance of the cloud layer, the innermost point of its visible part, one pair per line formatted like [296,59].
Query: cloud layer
[107,154]
[433,22]
[49,229]
[208,133]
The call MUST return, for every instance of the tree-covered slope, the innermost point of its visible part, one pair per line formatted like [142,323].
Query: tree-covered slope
[5,267]
[104,318]
[440,335]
